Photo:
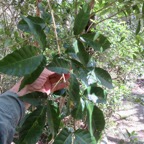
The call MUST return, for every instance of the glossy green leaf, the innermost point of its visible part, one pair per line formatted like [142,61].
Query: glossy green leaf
[59,65]
[83,137]
[103,77]
[33,126]
[97,42]
[98,122]
[81,19]
[138,27]
[53,118]
[37,31]
[81,53]
[74,89]
[21,62]
[29,79]
[35,98]
[64,137]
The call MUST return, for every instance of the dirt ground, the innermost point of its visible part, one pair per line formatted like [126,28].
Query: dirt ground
[128,122]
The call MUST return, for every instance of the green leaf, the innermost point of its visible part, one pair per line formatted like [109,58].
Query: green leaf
[29,79]
[136,8]
[33,126]
[76,64]
[78,112]
[95,120]
[64,137]
[21,62]
[53,118]
[138,27]
[45,15]
[81,19]
[74,89]
[105,44]
[96,94]
[83,137]
[143,10]
[89,107]
[98,122]
[98,43]
[35,98]
[81,53]
[103,77]
[82,75]
[90,39]
[22,25]
[59,65]
[37,31]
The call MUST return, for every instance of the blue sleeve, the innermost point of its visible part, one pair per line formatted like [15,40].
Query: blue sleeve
[11,112]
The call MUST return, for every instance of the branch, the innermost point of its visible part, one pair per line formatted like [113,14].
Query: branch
[110,4]
[54,26]
[108,17]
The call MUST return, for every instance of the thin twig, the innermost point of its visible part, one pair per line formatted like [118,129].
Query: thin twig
[110,4]
[56,84]
[56,35]
[54,26]
[108,17]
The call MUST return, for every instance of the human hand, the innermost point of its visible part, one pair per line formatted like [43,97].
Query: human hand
[47,82]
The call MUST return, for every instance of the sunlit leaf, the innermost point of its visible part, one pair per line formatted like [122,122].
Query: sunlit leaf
[33,126]
[21,62]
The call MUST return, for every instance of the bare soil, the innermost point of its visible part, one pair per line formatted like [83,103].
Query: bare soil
[128,122]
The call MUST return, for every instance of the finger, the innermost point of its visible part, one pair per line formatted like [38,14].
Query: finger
[47,72]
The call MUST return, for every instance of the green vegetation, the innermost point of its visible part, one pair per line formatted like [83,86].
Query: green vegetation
[100,43]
